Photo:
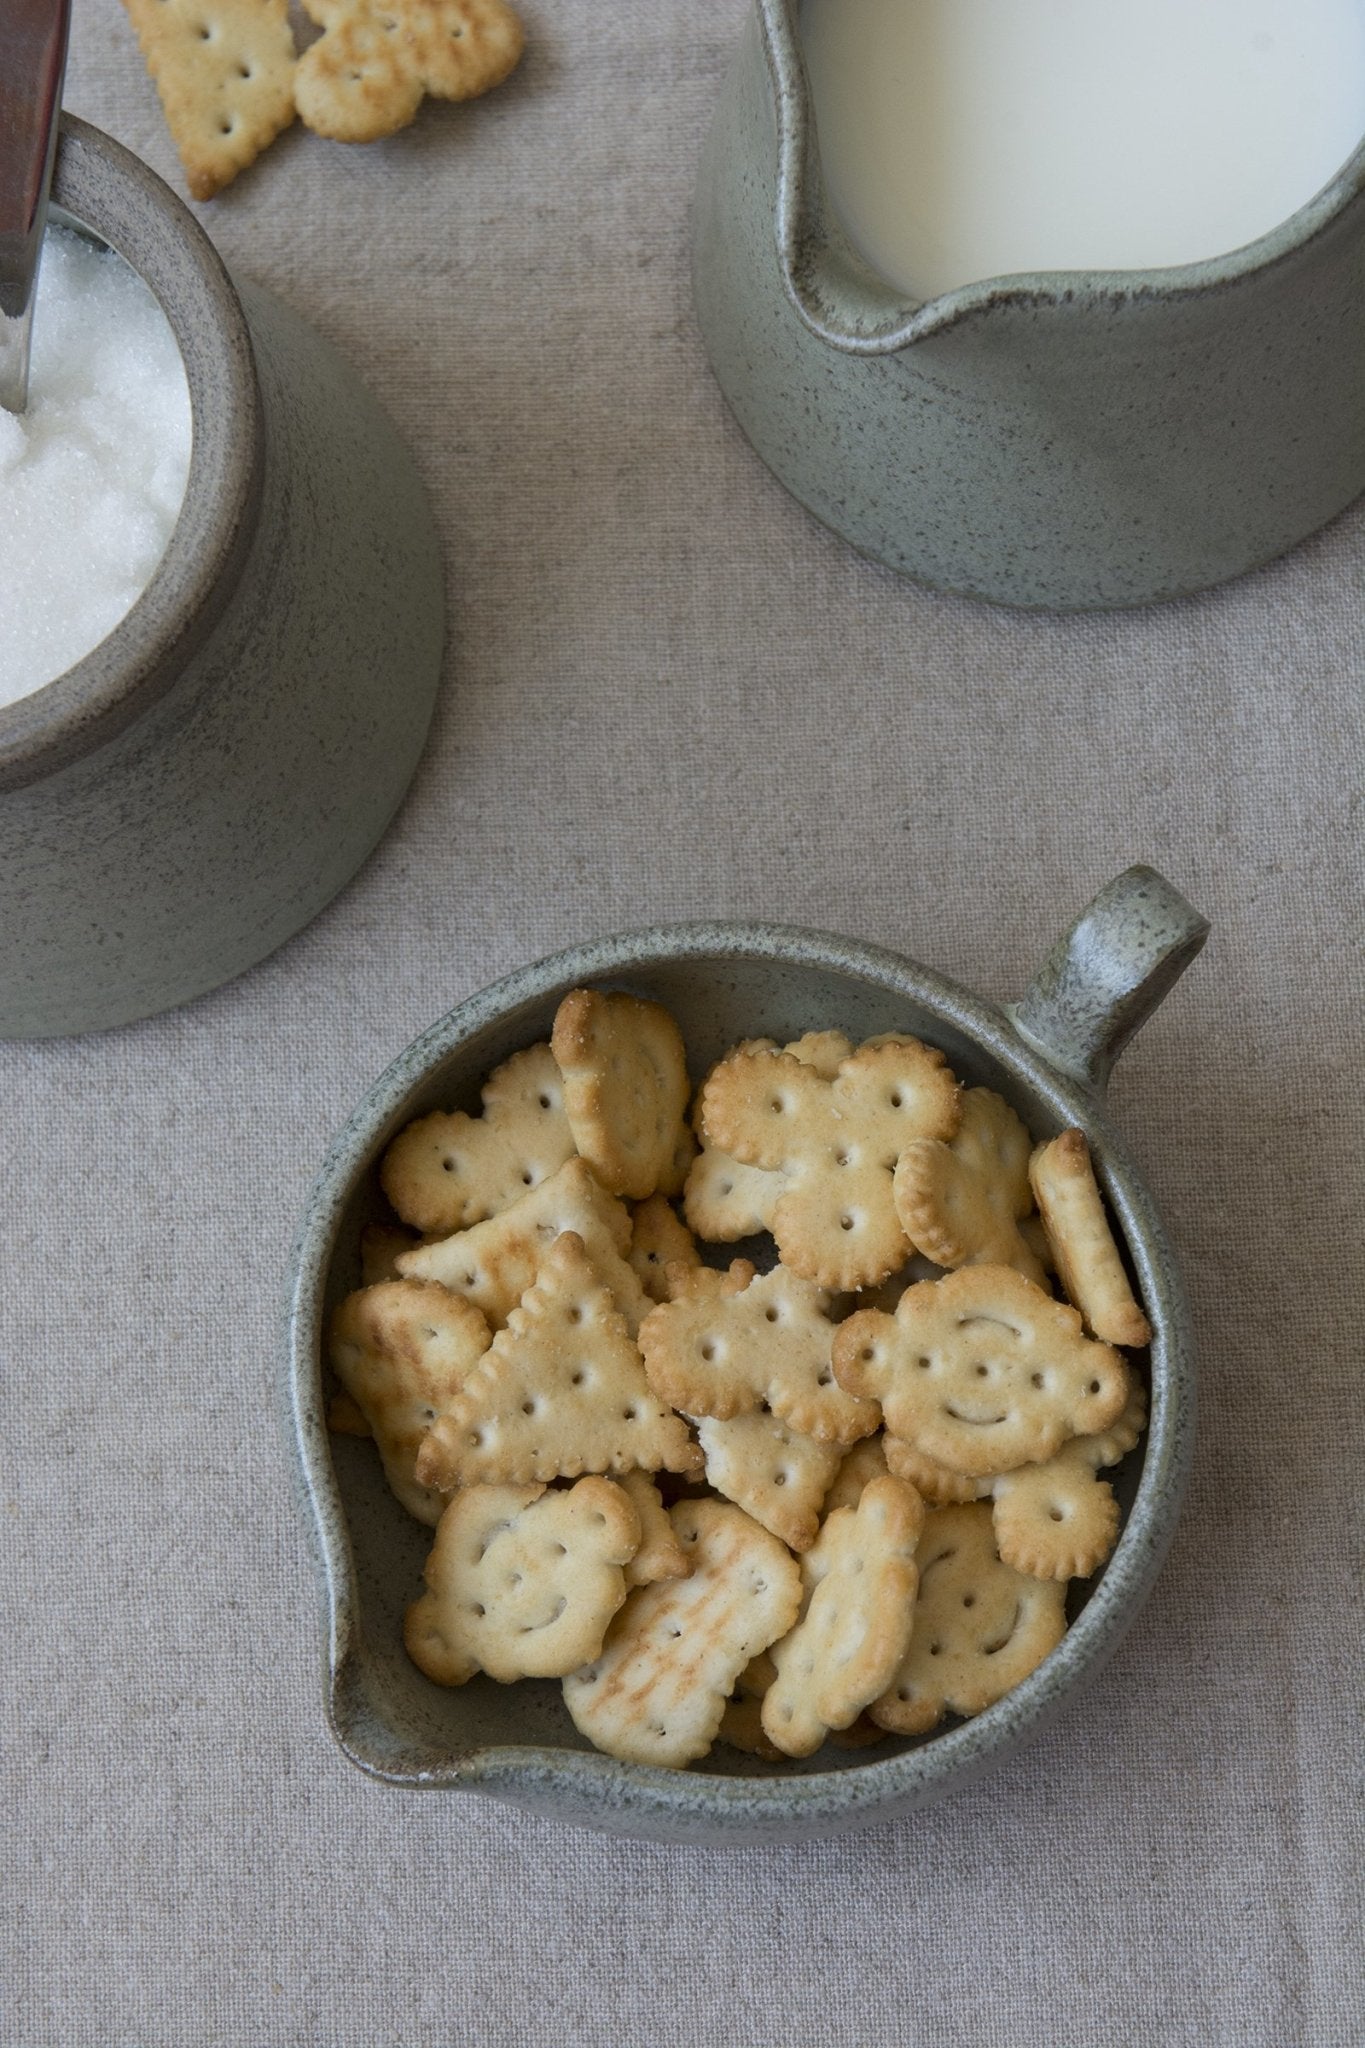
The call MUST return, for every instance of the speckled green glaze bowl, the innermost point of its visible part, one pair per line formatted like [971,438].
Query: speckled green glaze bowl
[1078,439]
[193,791]
[1050,1055]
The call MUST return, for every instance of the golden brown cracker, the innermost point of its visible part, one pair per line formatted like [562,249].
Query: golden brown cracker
[774,1473]
[981,1370]
[657,1692]
[836,1142]
[493,1263]
[625,1087]
[521,1581]
[659,1239]
[725,1200]
[1083,1247]
[961,1200]
[864,1462]
[367,74]
[979,1627]
[727,1354]
[859,1581]
[561,1390]
[403,1350]
[660,1555]
[448,1171]
[224,71]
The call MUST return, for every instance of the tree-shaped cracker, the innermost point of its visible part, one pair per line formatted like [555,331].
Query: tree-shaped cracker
[749,1342]
[403,1350]
[367,73]
[981,1370]
[961,1201]
[560,1391]
[836,1141]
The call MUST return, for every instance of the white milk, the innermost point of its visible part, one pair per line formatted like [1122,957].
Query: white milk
[965,139]
[92,475]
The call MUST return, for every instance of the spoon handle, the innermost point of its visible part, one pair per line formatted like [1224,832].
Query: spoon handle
[33,40]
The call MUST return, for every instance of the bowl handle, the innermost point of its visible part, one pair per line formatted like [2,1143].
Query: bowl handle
[1108,973]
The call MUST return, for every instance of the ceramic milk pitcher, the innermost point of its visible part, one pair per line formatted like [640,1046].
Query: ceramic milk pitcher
[1072,439]
[195,789]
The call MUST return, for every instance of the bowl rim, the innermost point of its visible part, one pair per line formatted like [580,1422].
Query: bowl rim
[597,1789]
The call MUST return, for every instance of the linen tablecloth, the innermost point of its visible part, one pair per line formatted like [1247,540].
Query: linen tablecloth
[669,694]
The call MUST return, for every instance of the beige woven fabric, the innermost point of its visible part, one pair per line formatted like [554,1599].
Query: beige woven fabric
[671,694]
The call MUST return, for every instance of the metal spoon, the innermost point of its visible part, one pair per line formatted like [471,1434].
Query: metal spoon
[33,39]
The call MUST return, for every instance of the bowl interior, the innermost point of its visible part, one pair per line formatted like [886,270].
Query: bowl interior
[390,1717]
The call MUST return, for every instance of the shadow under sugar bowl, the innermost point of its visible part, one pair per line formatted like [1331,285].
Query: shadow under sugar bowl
[193,790]
[1049,1055]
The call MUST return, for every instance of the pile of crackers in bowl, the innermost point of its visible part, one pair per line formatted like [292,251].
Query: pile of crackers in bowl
[837,1498]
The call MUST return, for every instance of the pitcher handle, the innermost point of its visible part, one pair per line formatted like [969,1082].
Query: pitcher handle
[1103,979]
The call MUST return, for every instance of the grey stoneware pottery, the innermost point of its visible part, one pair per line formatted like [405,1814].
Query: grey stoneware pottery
[179,802]
[1075,439]
[1050,1055]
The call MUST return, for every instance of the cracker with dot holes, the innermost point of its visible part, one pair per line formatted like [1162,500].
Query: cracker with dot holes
[859,1582]
[1060,1520]
[725,1200]
[979,1626]
[658,1239]
[761,1339]
[981,1370]
[962,1201]
[376,60]
[493,1263]
[450,1170]
[224,72]
[402,1350]
[625,1087]
[521,1582]
[658,1691]
[836,1142]
[561,1390]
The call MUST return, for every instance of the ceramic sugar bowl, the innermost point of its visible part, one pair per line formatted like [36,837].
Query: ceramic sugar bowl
[194,790]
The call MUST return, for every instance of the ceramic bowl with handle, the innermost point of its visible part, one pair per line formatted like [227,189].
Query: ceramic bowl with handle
[1050,1055]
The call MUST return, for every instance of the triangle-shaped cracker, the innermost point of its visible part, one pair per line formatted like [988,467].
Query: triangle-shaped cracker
[561,1390]
[774,1473]
[224,71]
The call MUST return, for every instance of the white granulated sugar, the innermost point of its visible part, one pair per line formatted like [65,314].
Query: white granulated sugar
[92,475]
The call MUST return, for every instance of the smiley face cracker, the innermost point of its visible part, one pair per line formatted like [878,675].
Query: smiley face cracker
[403,1350]
[981,1370]
[657,1692]
[448,1171]
[961,1201]
[979,1627]
[1087,1258]
[495,1262]
[561,1390]
[836,1142]
[725,1353]
[522,1582]
[860,1580]
[625,1087]
[366,75]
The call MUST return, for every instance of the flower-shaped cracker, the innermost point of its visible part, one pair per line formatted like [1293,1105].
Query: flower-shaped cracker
[837,1143]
